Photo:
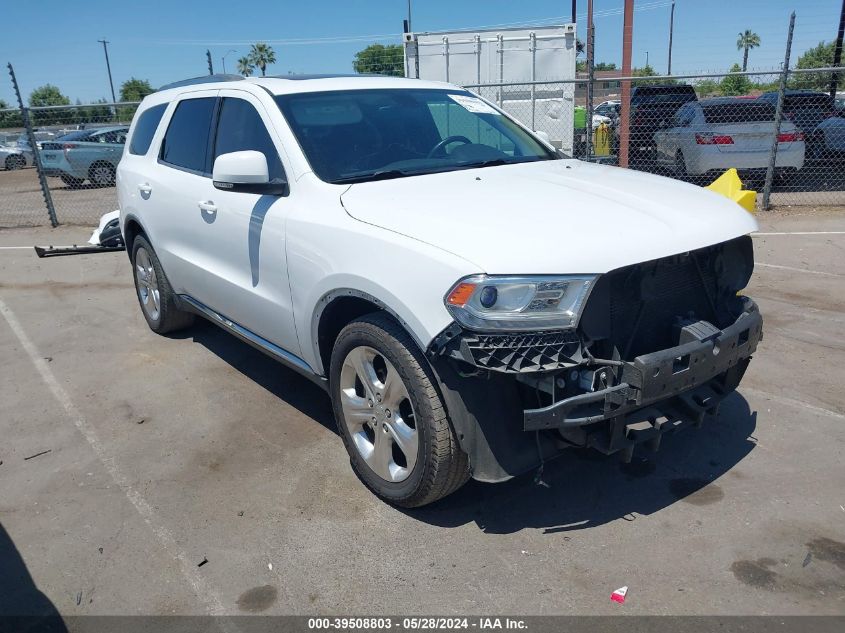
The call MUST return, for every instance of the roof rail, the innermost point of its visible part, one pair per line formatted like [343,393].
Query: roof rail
[205,79]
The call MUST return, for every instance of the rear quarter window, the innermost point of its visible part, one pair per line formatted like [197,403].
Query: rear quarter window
[145,129]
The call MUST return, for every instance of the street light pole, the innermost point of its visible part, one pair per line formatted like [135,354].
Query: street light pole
[105,44]
[410,29]
[671,29]
[646,58]
[231,50]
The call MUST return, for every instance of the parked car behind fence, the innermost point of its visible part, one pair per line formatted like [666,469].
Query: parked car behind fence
[710,136]
[83,155]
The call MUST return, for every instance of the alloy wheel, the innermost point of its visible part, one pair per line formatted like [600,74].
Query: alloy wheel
[148,291]
[378,414]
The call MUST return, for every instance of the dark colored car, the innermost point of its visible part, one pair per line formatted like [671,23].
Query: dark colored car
[652,107]
[805,108]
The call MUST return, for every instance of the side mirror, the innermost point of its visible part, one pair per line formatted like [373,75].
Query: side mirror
[245,172]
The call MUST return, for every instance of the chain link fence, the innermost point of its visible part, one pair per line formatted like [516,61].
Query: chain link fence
[76,150]
[782,131]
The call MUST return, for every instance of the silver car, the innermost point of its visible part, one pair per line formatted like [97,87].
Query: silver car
[15,157]
[710,136]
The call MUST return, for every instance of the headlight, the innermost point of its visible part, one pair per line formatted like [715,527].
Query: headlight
[519,303]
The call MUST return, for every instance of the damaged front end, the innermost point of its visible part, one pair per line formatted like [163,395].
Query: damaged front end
[658,345]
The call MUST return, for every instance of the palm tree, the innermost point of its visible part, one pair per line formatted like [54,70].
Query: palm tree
[245,66]
[745,42]
[262,54]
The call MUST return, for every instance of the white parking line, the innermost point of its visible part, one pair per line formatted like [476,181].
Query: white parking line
[798,270]
[758,234]
[793,402]
[213,604]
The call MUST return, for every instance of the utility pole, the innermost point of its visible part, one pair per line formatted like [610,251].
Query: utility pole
[409,17]
[208,57]
[105,44]
[625,114]
[231,50]
[837,52]
[672,28]
[646,58]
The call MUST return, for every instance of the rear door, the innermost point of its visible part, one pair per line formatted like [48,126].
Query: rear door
[171,187]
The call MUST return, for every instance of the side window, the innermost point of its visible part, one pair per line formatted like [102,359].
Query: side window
[145,129]
[240,128]
[185,143]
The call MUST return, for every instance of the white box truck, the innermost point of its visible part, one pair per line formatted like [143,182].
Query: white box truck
[527,71]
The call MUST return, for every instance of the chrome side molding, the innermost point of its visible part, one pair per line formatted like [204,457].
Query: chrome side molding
[291,361]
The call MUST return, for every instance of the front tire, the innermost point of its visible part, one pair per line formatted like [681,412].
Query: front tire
[15,162]
[155,295]
[390,415]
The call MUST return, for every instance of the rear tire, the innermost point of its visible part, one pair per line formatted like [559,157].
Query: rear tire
[391,416]
[101,174]
[155,295]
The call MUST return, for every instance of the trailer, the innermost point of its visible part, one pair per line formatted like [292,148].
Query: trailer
[504,66]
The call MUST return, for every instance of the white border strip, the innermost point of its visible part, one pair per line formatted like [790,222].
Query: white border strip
[198,583]
[759,234]
[798,270]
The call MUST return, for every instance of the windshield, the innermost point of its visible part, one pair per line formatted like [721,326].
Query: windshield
[359,135]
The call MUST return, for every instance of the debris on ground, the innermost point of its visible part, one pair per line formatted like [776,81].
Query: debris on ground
[807,559]
[619,595]
[78,598]
[241,513]
[270,566]
[204,561]
[49,450]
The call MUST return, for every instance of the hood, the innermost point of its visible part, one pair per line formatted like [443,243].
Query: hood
[550,217]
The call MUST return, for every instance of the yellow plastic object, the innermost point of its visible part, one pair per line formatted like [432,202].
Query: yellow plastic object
[730,186]
[601,140]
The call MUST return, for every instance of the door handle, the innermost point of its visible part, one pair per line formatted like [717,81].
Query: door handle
[145,188]
[207,206]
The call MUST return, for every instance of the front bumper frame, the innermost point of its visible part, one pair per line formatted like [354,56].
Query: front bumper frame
[688,380]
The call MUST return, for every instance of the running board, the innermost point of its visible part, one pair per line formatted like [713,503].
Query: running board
[271,349]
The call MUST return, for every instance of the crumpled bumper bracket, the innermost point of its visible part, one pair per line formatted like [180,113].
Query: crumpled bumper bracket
[702,370]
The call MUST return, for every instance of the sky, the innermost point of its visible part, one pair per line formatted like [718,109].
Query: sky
[55,41]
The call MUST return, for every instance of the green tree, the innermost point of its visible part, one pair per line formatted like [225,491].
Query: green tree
[380,60]
[245,67]
[820,56]
[50,95]
[261,55]
[707,88]
[605,66]
[135,89]
[733,85]
[745,42]
[9,119]
[47,95]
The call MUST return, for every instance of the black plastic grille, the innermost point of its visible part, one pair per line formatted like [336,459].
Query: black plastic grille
[516,353]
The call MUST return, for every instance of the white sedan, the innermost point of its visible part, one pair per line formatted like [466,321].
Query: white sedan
[707,137]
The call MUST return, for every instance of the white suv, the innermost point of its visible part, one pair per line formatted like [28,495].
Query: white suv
[472,300]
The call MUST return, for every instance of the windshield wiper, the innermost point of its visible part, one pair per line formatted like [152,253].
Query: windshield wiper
[386,174]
